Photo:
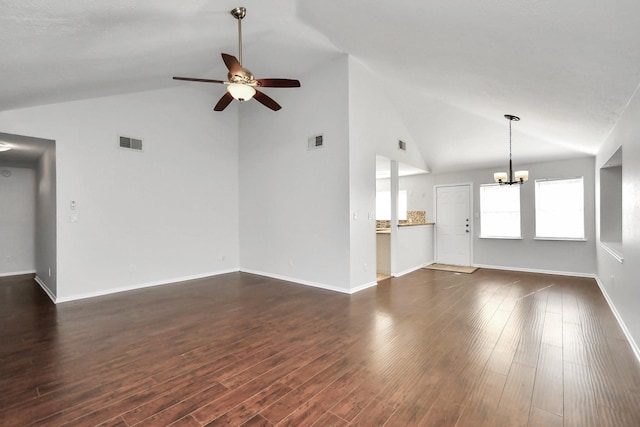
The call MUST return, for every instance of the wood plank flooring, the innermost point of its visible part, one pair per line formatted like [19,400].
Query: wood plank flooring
[431,348]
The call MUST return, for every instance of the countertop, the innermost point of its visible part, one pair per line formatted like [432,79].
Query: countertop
[388,230]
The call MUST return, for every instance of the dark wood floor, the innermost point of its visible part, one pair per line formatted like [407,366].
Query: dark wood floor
[431,348]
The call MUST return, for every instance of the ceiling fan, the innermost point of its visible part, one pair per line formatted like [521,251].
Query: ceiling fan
[241,84]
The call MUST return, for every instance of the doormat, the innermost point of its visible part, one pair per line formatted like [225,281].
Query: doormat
[452,268]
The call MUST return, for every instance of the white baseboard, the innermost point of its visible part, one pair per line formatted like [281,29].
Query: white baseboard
[412,269]
[297,281]
[363,287]
[69,298]
[632,343]
[45,288]
[17,273]
[535,270]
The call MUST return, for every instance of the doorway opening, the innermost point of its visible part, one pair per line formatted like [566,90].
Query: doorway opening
[28,224]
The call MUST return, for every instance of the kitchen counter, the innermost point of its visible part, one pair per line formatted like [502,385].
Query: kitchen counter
[388,230]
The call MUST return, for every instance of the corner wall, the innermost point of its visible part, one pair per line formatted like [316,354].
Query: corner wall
[374,129]
[619,281]
[45,250]
[166,214]
[294,202]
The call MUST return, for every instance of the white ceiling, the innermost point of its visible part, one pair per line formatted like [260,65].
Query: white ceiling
[452,69]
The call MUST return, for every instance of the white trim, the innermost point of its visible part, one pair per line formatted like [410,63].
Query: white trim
[618,256]
[562,239]
[412,269]
[142,286]
[500,238]
[45,288]
[535,270]
[363,287]
[17,273]
[632,343]
[297,281]
[471,218]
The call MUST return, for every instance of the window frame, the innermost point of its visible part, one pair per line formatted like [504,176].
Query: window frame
[482,212]
[537,236]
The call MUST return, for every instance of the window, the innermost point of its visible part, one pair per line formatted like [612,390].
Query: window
[383,205]
[500,211]
[560,209]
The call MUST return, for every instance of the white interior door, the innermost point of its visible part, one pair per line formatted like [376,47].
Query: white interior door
[453,225]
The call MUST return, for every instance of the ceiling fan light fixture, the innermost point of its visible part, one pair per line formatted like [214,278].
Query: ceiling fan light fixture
[241,92]
[241,84]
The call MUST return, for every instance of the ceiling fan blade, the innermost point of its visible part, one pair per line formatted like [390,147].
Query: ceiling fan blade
[232,64]
[278,82]
[266,101]
[224,101]
[191,79]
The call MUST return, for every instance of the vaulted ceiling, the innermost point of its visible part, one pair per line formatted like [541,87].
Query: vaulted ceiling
[451,69]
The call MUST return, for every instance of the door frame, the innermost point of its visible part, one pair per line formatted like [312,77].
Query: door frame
[471,217]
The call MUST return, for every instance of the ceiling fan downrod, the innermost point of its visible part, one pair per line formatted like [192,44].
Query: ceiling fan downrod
[239,13]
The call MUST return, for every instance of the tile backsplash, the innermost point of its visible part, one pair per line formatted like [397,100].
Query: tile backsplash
[416,217]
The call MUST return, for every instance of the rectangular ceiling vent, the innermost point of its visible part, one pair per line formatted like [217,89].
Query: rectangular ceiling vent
[315,142]
[402,145]
[130,143]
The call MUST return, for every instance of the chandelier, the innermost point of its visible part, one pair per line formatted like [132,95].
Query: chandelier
[520,176]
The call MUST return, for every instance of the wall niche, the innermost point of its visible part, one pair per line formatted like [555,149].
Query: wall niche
[611,205]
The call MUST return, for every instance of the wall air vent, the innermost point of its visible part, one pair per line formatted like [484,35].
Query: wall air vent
[402,145]
[315,142]
[130,143]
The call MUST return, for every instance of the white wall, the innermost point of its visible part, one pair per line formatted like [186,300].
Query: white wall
[17,221]
[45,250]
[419,190]
[374,128]
[571,257]
[620,280]
[294,202]
[414,248]
[166,214]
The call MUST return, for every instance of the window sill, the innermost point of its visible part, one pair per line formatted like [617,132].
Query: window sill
[563,239]
[501,238]
[614,249]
